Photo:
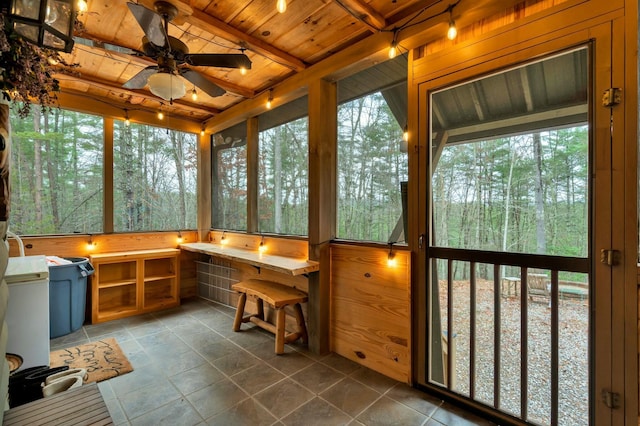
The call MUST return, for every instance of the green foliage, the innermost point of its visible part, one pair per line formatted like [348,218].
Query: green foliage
[57,175]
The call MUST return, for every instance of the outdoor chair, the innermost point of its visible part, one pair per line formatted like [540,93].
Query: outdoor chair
[537,285]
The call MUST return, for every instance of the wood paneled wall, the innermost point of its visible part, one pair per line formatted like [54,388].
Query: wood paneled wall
[371,309]
[78,246]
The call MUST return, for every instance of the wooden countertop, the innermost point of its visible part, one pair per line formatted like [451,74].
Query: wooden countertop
[286,265]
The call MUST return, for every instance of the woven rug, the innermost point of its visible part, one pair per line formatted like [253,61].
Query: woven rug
[102,359]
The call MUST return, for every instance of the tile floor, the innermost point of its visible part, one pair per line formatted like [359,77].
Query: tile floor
[190,368]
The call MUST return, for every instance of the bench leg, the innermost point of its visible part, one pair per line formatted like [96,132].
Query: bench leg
[237,322]
[302,328]
[260,306]
[280,320]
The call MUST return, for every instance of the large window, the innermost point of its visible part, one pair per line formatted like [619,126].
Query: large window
[56,172]
[282,177]
[229,162]
[371,167]
[154,178]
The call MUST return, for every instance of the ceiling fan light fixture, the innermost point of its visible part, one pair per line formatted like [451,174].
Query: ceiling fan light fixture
[166,85]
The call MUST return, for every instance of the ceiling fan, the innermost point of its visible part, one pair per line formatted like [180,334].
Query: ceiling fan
[172,56]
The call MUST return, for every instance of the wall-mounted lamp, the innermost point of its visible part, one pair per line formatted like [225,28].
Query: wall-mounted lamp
[223,238]
[91,244]
[262,248]
[180,237]
[391,257]
[270,99]
[44,23]
[405,133]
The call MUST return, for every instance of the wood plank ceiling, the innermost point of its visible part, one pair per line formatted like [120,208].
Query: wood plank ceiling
[278,45]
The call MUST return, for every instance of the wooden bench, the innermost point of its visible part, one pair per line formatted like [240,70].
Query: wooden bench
[278,296]
[80,406]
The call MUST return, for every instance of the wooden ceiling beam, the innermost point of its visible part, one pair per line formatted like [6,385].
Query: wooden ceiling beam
[365,13]
[220,28]
[187,107]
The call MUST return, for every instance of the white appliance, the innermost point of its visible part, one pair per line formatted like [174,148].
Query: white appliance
[28,310]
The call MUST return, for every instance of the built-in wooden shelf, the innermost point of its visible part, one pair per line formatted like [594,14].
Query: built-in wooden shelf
[134,282]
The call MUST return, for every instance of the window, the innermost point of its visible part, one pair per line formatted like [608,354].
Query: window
[283,182]
[154,178]
[371,167]
[229,186]
[56,172]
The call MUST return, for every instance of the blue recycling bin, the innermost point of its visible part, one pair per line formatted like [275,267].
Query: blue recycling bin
[68,295]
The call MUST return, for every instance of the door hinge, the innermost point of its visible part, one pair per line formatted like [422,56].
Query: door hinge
[610,257]
[611,399]
[612,97]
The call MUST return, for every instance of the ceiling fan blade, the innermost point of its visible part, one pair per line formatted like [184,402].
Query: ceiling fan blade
[139,80]
[151,23]
[202,83]
[224,60]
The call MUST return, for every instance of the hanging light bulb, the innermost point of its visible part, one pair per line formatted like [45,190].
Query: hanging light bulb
[194,94]
[453,32]
[82,6]
[393,49]
[160,115]
[270,99]
[127,122]
[243,70]
[281,6]
[180,239]
[202,132]
[405,133]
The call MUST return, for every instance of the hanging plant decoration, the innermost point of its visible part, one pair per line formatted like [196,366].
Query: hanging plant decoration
[26,72]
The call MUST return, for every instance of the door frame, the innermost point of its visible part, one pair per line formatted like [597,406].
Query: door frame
[616,333]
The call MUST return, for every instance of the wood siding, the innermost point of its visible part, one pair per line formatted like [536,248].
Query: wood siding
[370,309]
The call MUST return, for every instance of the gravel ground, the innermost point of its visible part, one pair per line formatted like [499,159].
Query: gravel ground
[573,369]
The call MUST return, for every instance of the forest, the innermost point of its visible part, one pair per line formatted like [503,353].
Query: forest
[523,193]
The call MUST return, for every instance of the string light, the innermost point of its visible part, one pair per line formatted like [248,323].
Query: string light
[452,33]
[179,237]
[160,113]
[82,6]
[194,94]
[405,133]
[281,6]
[393,47]
[223,239]
[127,122]
[243,70]
[202,132]
[270,99]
